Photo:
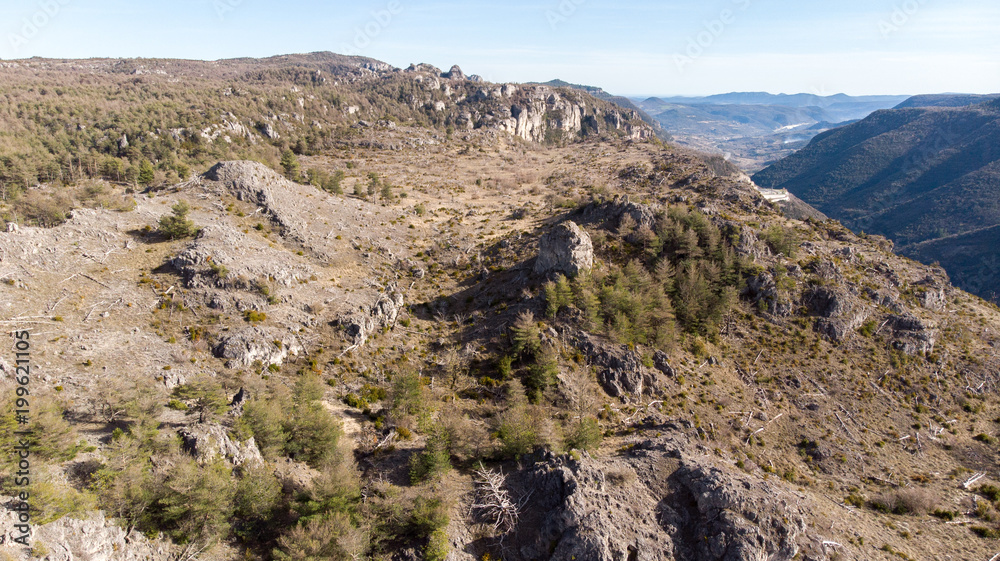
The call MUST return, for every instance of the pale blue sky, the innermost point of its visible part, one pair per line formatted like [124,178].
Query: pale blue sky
[685,47]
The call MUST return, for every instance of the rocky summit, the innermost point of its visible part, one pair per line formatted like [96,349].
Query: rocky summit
[404,314]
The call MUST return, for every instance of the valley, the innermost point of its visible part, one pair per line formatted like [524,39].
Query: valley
[923,174]
[756,129]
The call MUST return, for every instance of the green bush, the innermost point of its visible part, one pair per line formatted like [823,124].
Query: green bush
[947,515]
[428,516]
[985,532]
[781,240]
[407,399]
[177,405]
[290,165]
[146,173]
[542,373]
[991,492]
[313,432]
[517,427]
[558,295]
[331,537]
[584,435]
[438,547]
[433,461]
[51,438]
[52,498]
[265,420]
[176,225]
[525,335]
[253,316]
[203,396]
[194,502]
[256,501]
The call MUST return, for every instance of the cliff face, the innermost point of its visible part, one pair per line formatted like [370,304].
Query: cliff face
[539,113]
[534,113]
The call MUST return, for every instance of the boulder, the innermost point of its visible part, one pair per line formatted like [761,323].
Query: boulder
[252,344]
[913,335]
[207,441]
[224,257]
[662,363]
[840,313]
[742,517]
[565,249]
[611,213]
[932,297]
[268,130]
[576,514]
[763,288]
[380,315]
[661,501]
[620,370]
[455,73]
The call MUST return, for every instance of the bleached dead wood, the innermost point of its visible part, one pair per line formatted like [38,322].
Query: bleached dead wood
[973,479]
[493,502]
[761,429]
[641,410]
[387,440]
[846,430]
[56,303]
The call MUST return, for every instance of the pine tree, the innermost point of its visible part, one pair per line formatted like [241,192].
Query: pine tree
[290,163]
[177,225]
[146,173]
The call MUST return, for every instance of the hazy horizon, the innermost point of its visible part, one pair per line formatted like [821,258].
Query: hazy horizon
[678,48]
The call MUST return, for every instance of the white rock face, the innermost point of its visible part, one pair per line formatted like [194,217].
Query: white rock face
[383,313]
[90,538]
[253,344]
[566,249]
[207,441]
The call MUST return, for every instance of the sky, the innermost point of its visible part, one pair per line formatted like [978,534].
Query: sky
[635,48]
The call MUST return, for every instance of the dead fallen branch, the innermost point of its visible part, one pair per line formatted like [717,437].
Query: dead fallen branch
[973,479]
[493,502]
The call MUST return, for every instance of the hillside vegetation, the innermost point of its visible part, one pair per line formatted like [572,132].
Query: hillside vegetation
[153,122]
[915,175]
[379,351]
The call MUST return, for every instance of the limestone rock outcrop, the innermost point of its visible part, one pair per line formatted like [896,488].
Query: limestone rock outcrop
[661,501]
[381,314]
[252,344]
[620,370]
[839,311]
[565,249]
[90,537]
[210,440]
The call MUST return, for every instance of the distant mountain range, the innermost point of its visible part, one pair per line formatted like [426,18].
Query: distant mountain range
[945,100]
[926,174]
[756,128]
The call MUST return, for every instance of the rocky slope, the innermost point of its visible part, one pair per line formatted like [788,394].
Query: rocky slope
[183,115]
[718,381]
